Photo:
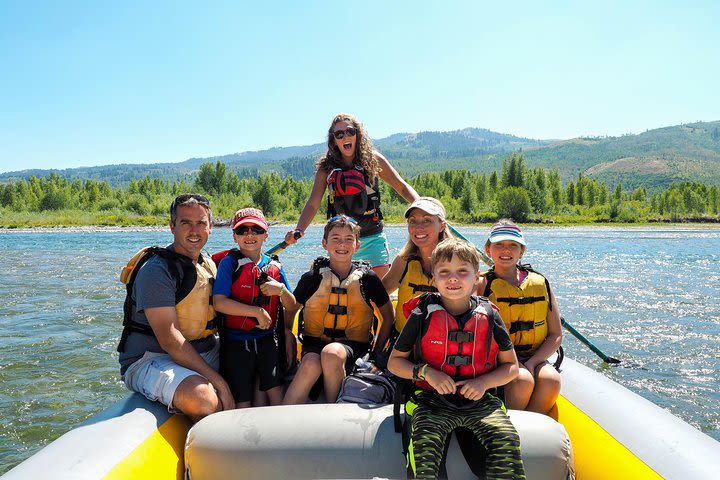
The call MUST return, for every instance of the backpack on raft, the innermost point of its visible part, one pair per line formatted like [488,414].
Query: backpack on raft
[367,388]
[181,269]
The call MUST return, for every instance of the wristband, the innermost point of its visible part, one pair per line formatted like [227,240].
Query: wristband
[419,371]
[282,290]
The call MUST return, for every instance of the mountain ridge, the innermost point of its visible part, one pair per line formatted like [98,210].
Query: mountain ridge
[657,157]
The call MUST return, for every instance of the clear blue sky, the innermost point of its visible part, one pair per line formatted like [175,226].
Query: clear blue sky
[103,82]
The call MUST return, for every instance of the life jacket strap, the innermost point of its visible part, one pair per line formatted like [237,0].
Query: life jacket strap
[334,333]
[338,290]
[261,300]
[337,309]
[421,288]
[521,326]
[521,301]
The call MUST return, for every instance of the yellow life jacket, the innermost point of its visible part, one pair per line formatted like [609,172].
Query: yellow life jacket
[195,312]
[337,310]
[524,309]
[193,295]
[414,282]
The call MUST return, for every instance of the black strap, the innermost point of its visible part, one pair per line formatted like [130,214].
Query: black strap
[338,290]
[520,301]
[489,277]
[337,309]
[334,333]
[261,300]
[185,277]
[421,288]
[521,326]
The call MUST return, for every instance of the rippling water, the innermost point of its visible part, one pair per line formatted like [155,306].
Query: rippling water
[649,296]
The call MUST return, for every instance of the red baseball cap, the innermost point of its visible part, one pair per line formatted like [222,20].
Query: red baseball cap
[249,216]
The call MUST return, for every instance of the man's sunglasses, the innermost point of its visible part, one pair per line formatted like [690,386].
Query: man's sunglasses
[182,199]
[340,134]
[248,230]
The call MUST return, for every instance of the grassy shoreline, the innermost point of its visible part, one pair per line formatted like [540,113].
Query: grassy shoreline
[161,224]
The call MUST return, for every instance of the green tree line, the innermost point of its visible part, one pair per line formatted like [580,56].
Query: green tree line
[514,191]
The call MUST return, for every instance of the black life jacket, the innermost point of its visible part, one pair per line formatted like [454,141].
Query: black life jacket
[350,193]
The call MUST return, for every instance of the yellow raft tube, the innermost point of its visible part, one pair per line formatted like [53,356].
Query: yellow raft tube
[615,434]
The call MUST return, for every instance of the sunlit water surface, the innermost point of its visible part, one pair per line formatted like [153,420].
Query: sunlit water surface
[649,296]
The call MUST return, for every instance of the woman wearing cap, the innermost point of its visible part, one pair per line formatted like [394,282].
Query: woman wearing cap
[350,170]
[410,272]
[531,315]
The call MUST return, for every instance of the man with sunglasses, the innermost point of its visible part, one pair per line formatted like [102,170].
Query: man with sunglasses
[169,348]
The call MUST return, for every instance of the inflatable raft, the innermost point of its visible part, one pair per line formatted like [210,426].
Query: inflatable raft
[614,434]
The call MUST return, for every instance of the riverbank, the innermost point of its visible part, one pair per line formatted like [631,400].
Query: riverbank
[163,227]
[222,224]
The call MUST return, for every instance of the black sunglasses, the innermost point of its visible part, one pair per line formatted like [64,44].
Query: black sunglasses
[247,230]
[340,134]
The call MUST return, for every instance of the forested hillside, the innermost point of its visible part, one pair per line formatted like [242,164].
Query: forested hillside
[516,191]
[653,159]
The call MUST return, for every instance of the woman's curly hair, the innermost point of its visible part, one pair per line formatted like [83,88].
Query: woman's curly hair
[364,152]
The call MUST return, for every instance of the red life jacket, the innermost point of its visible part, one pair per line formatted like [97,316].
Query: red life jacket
[462,353]
[246,281]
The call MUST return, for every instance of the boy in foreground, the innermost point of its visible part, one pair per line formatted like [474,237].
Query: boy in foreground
[336,321]
[456,349]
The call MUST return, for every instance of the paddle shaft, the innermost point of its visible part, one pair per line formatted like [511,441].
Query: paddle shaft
[282,245]
[587,342]
[564,323]
[488,261]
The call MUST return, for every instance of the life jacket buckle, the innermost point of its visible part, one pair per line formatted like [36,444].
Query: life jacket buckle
[458,360]
[461,336]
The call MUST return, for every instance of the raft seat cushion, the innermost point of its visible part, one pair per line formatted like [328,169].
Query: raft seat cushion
[342,441]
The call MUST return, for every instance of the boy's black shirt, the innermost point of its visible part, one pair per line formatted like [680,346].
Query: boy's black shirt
[409,335]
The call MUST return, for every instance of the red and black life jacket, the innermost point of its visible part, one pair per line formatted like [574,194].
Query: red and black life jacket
[461,352]
[350,193]
[246,280]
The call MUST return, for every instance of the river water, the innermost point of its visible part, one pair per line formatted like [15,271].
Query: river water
[647,295]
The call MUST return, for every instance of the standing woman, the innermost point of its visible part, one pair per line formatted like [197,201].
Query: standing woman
[350,170]
[410,272]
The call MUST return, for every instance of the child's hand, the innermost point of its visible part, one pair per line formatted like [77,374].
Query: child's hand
[271,287]
[440,381]
[263,319]
[472,389]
